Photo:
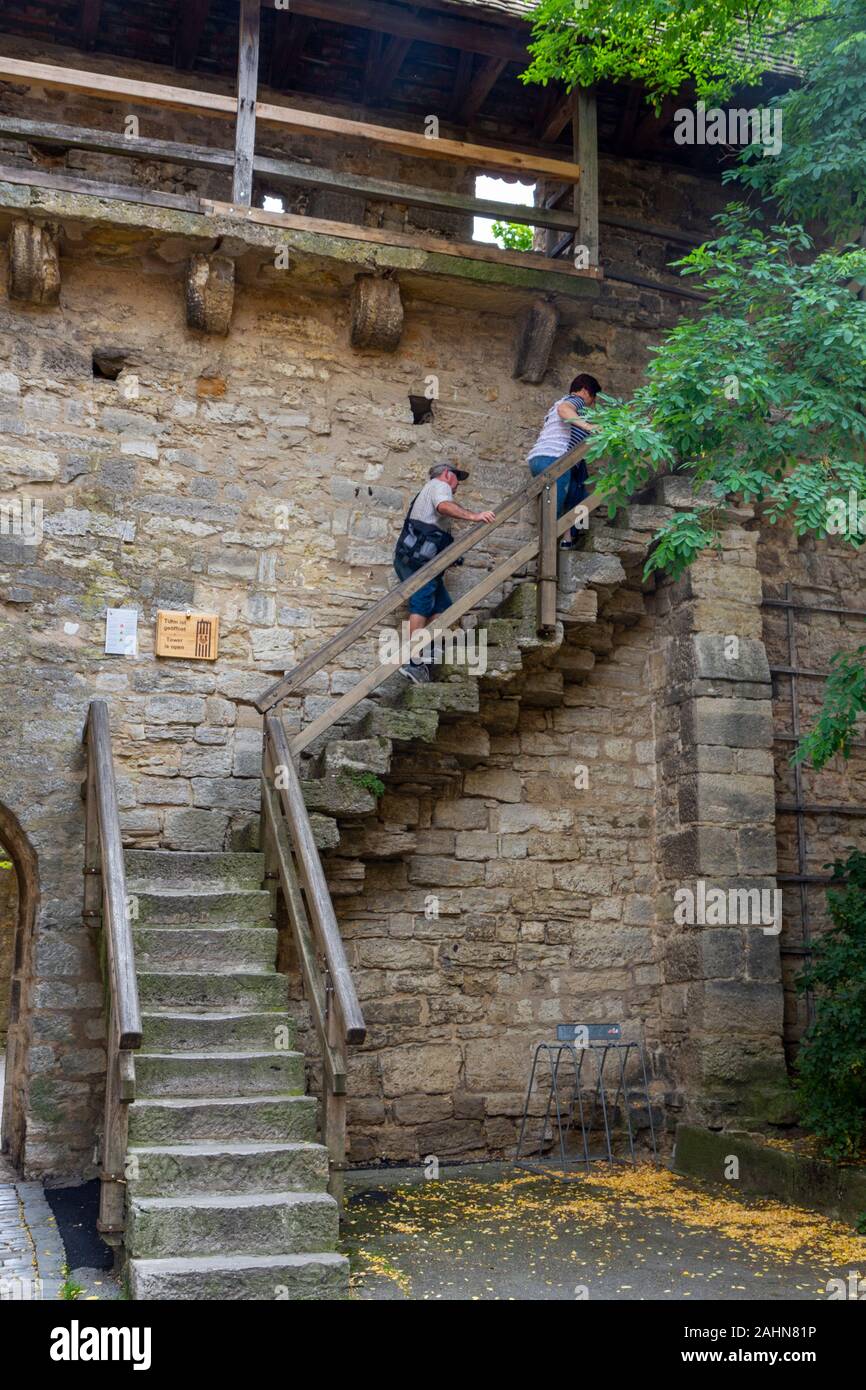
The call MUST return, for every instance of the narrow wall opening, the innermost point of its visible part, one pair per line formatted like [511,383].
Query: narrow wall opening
[18,899]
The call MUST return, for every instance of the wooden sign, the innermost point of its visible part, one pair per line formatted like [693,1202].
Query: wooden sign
[192,636]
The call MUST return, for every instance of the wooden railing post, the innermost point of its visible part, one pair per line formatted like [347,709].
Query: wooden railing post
[547,555]
[248,83]
[334,1107]
[105,897]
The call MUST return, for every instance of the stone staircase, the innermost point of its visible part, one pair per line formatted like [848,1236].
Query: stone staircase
[226,1183]
[600,589]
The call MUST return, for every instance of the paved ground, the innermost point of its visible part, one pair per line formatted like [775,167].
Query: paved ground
[495,1232]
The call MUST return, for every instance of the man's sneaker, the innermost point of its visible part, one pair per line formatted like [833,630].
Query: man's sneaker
[416,671]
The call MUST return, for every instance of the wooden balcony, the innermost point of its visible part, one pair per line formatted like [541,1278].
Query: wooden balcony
[371,224]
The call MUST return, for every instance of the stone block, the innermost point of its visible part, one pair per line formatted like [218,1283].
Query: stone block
[429,1069]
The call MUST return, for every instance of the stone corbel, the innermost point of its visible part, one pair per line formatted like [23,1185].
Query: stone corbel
[377,313]
[34,263]
[210,293]
[535,342]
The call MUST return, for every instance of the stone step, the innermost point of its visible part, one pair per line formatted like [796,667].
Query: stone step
[219,1073]
[189,906]
[238,1278]
[172,1170]
[401,725]
[260,991]
[354,755]
[163,868]
[579,570]
[242,1118]
[340,796]
[326,832]
[448,697]
[219,949]
[271,1223]
[217,1032]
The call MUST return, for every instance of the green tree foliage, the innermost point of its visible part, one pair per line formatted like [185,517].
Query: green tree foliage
[819,173]
[831,1066]
[714,44]
[513,236]
[761,392]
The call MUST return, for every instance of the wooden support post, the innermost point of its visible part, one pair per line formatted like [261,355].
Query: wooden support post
[547,556]
[334,1109]
[248,81]
[585,128]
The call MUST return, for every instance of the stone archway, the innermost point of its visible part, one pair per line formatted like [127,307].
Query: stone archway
[19,891]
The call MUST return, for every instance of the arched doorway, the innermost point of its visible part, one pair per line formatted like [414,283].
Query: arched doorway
[18,897]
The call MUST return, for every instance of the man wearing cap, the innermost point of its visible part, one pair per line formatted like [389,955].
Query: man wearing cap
[426,533]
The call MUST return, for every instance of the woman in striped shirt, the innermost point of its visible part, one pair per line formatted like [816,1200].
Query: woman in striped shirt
[563,429]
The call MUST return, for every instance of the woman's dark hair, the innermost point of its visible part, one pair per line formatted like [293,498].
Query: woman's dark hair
[585,382]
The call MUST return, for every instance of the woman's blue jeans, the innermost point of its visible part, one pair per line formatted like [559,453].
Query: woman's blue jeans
[570,488]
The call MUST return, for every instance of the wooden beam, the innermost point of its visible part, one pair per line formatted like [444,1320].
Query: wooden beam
[390,65]
[462,79]
[289,118]
[493,40]
[248,85]
[383,236]
[585,127]
[480,87]
[279,171]
[290,37]
[88,22]
[193,17]
[555,119]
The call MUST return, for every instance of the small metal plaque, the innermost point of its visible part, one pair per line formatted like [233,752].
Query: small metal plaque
[583,1033]
[190,636]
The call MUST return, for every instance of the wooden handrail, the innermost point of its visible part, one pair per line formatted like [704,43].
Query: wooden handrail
[115,916]
[107,87]
[292,859]
[105,899]
[315,884]
[392,600]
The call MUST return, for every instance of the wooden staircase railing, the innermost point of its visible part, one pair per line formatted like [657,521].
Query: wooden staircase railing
[292,860]
[105,900]
[543,545]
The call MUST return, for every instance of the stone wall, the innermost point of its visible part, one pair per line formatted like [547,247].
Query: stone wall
[523,898]
[263,476]
[828,574]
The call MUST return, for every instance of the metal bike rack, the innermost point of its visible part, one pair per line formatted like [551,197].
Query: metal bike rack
[596,1042]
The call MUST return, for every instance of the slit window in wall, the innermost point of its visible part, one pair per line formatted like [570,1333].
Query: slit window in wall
[272,202]
[512,236]
[422,410]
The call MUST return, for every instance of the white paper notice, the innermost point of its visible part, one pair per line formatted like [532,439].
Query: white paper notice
[121,631]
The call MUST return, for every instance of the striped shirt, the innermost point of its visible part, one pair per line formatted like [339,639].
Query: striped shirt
[559,436]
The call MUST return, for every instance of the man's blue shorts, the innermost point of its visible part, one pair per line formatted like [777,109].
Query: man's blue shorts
[432,598]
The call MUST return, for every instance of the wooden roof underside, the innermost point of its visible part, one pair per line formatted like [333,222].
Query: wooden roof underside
[459,59]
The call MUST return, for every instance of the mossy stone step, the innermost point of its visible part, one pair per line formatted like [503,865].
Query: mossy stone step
[217,1032]
[190,906]
[217,948]
[156,868]
[237,1278]
[338,796]
[268,1223]
[360,755]
[190,1119]
[447,697]
[171,1170]
[219,1073]
[260,991]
